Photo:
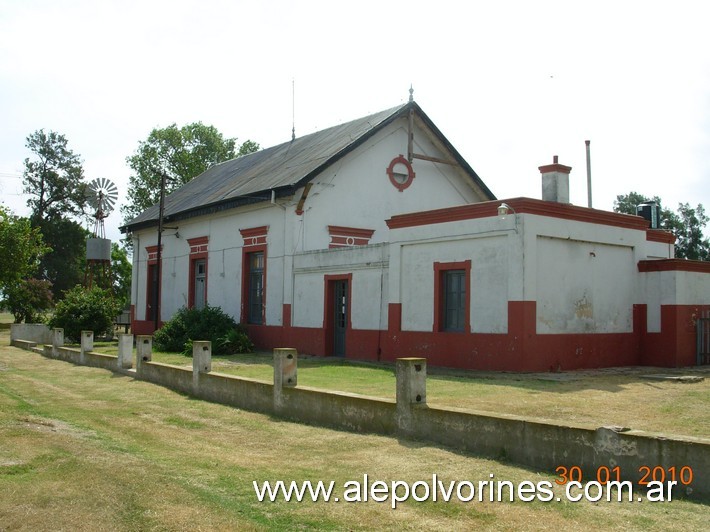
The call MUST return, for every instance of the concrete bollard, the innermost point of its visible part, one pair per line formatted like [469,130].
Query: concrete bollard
[144,350]
[285,373]
[285,367]
[411,381]
[87,344]
[125,351]
[201,361]
[411,390]
[57,341]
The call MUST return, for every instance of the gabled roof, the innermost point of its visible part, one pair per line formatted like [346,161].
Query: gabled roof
[281,169]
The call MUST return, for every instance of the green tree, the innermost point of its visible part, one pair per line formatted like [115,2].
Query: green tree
[53,177]
[121,271]
[65,265]
[85,310]
[22,249]
[687,224]
[690,241]
[28,300]
[178,153]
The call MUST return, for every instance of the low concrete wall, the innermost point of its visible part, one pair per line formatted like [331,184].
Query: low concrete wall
[339,410]
[547,446]
[529,442]
[66,354]
[32,332]
[99,360]
[248,394]
[173,377]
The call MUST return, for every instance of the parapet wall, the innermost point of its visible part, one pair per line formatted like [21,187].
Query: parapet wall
[533,443]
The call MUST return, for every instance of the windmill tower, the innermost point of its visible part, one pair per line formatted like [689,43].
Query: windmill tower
[101,195]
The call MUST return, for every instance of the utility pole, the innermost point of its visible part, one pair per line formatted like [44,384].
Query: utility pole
[158,282]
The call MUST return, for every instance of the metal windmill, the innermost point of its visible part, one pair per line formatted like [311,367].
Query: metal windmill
[101,195]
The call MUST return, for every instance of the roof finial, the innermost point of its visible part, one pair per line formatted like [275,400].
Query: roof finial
[411,93]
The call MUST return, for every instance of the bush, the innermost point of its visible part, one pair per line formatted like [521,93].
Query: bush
[28,300]
[85,310]
[209,323]
[236,341]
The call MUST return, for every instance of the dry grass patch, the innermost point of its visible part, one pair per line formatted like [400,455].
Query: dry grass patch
[620,397]
[85,449]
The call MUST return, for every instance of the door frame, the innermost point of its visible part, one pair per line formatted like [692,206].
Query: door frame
[329,310]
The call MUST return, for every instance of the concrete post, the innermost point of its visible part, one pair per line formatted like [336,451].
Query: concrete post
[201,361]
[285,372]
[57,341]
[87,344]
[411,389]
[125,351]
[144,350]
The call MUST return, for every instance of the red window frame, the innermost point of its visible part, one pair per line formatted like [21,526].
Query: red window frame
[198,251]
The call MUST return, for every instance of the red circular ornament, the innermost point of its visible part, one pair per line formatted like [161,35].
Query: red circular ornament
[400,178]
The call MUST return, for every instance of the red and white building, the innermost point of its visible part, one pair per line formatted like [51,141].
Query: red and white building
[375,240]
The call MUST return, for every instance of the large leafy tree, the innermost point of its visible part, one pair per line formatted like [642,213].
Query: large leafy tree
[687,224]
[22,248]
[64,266]
[53,177]
[179,154]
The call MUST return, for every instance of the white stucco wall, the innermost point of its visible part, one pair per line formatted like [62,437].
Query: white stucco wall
[489,282]
[584,287]
[369,268]
[583,276]
[659,250]
[224,266]
[672,288]
[356,192]
[493,245]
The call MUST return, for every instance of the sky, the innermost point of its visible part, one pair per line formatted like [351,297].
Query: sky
[509,83]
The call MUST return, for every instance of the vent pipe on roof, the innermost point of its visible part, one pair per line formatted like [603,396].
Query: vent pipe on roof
[589,176]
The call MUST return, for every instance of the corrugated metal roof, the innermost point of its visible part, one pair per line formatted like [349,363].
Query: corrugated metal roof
[282,168]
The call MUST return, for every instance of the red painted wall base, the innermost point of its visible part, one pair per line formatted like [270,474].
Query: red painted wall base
[521,349]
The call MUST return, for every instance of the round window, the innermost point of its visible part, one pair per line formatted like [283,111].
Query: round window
[400,173]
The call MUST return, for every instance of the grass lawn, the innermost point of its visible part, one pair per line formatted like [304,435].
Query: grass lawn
[85,449]
[619,397]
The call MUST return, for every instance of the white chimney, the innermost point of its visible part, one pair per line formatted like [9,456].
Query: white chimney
[555,181]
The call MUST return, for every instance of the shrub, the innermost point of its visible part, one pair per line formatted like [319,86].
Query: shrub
[209,323]
[85,310]
[28,300]
[236,341]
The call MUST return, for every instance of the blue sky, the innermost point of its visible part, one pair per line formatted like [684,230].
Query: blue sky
[509,83]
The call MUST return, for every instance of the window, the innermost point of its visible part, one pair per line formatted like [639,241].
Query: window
[200,294]
[253,303]
[452,296]
[255,292]
[454,309]
[153,295]
[197,295]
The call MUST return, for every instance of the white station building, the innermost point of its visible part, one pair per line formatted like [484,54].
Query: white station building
[375,239]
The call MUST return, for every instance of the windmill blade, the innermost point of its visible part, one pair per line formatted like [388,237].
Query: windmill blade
[102,194]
